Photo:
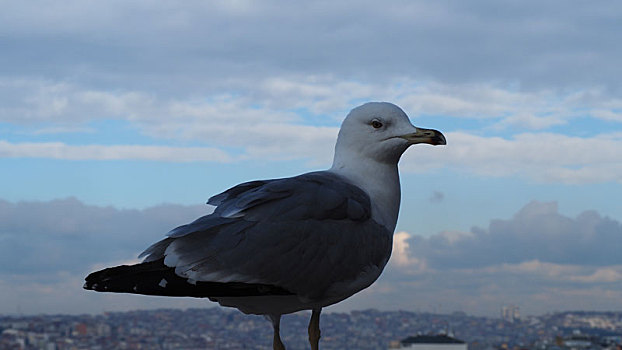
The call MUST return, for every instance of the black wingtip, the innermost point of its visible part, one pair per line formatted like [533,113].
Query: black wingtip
[154,278]
[99,280]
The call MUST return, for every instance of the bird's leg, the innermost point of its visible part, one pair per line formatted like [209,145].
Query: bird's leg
[277,344]
[314,329]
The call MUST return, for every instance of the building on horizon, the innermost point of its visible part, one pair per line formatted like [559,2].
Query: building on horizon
[430,342]
[510,313]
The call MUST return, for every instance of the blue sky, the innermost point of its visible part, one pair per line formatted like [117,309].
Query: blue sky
[129,108]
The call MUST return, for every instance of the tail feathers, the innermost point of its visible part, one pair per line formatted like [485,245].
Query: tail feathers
[155,278]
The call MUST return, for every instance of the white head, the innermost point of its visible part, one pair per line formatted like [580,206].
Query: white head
[380,131]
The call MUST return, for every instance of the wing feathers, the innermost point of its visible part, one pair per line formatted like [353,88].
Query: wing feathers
[302,234]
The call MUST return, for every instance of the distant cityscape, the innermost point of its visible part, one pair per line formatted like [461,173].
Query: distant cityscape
[217,328]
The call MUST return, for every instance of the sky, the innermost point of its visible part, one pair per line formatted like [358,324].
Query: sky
[118,120]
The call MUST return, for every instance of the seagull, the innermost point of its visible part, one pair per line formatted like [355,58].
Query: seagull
[274,247]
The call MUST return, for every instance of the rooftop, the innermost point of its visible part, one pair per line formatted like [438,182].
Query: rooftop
[431,339]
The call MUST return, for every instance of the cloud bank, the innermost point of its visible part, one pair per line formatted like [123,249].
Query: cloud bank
[531,43]
[536,233]
[240,128]
[539,259]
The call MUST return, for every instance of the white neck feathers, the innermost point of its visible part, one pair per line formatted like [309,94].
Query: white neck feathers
[379,180]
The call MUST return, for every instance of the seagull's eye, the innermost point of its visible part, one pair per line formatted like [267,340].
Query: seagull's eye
[376,124]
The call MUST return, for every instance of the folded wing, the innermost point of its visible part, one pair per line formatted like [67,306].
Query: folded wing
[302,234]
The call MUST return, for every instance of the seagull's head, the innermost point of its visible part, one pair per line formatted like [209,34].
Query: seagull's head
[381,131]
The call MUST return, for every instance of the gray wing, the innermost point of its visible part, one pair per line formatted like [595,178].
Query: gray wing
[303,234]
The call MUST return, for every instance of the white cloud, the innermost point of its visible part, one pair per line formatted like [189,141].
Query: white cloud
[399,256]
[610,115]
[62,130]
[264,120]
[536,267]
[59,150]
[276,99]
[601,275]
[453,237]
[31,101]
[529,121]
[479,101]
[554,272]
